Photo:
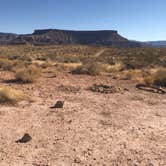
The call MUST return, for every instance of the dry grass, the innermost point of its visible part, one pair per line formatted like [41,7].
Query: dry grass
[9,95]
[28,75]
[82,60]
[133,58]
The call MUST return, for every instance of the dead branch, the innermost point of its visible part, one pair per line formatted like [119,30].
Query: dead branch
[151,88]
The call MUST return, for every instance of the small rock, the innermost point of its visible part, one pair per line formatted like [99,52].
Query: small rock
[70,121]
[77,160]
[115,77]
[59,104]
[26,138]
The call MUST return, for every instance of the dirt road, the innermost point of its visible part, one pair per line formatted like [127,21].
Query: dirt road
[99,53]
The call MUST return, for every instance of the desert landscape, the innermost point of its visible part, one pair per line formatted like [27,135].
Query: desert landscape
[111,111]
[82,83]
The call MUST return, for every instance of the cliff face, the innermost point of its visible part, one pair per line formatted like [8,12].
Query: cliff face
[55,36]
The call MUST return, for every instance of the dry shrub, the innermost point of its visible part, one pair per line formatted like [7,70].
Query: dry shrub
[156,78]
[67,66]
[9,95]
[19,64]
[160,77]
[114,68]
[6,64]
[149,79]
[90,69]
[134,74]
[28,75]
[80,70]
[96,69]
[42,64]
[45,65]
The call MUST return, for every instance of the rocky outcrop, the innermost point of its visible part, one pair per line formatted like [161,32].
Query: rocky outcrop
[55,36]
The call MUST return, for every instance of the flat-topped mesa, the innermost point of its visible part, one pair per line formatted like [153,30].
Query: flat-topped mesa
[109,38]
[43,31]
[102,37]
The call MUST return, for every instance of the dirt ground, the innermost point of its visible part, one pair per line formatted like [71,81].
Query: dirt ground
[92,129]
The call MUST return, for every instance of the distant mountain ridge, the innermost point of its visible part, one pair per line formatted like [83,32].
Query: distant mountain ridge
[156,43]
[55,36]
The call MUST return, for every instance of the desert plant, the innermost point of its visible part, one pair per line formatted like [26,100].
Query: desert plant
[114,68]
[90,69]
[149,79]
[134,74]
[160,77]
[9,95]
[95,69]
[80,70]
[6,64]
[45,65]
[28,75]
[68,67]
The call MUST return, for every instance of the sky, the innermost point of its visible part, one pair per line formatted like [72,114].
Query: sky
[142,20]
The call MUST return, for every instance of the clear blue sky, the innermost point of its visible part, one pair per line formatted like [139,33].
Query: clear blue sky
[135,19]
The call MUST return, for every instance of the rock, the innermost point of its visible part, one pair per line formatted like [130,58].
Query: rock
[26,138]
[101,88]
[77,160]
[59,104]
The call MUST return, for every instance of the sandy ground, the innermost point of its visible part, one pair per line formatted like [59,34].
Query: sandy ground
[92,129]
